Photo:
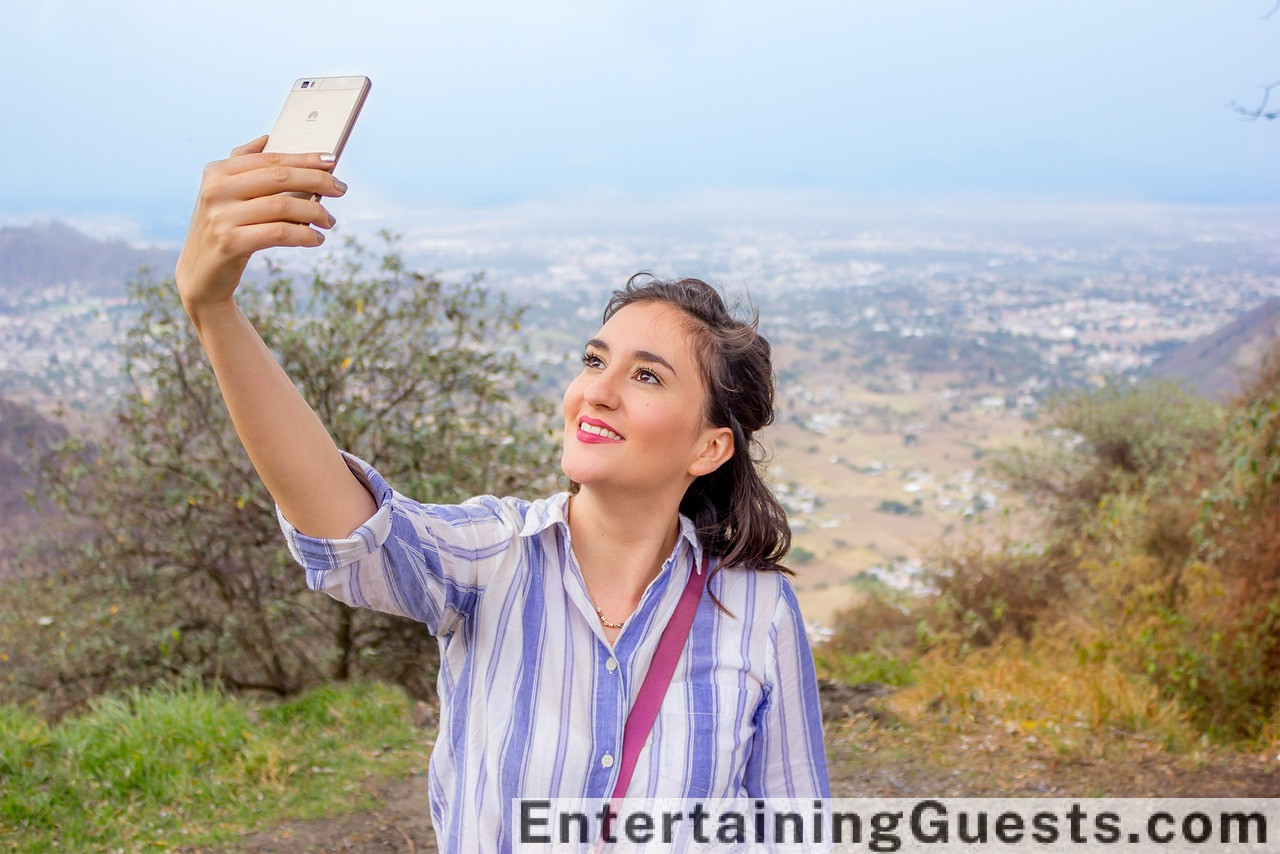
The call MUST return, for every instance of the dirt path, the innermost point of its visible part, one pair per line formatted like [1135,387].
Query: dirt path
[402,823]
[868,757]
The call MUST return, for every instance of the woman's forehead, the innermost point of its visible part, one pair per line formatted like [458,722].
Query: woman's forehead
[652,326]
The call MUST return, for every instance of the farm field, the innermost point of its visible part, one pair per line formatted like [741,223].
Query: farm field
[874,479]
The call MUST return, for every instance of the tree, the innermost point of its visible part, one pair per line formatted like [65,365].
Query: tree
[187,572]
[1156,547]
[1261,111]
[1110,441]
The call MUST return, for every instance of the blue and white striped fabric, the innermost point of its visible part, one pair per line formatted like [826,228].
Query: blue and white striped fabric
[534,698]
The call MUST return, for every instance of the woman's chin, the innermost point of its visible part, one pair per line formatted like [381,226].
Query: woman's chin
[581,468]
[577,472]
[589,476]
[578,476]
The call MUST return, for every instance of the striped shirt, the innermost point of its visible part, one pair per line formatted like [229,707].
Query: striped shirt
[533,698]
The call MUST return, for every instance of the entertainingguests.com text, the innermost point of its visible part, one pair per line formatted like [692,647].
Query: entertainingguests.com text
[897,825]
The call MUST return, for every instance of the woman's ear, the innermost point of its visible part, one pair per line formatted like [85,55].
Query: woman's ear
[716,449]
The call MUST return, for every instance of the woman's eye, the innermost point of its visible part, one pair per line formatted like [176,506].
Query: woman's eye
[590,360]
[648,376]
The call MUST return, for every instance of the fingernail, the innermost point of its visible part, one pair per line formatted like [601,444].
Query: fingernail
[321,236]
[342,188]
[328,158]
[333,220]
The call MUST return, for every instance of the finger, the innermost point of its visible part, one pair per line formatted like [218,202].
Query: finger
[278,179]
[248,239]
[265,160]
[282,208]
[251,147]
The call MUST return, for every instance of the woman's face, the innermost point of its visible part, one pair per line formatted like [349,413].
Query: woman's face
[634,417]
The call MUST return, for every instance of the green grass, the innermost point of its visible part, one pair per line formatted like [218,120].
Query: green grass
[160,768]
[863,667]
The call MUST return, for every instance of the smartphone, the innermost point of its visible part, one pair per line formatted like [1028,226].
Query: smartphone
[318,116]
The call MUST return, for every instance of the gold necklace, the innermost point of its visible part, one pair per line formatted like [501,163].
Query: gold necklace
[600,614]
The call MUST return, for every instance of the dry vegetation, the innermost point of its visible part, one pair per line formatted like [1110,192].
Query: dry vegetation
[1142,614]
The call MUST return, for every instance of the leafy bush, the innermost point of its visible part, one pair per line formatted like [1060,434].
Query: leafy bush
[883,620]
[984,592]
[1115,440]
[1155,555]
[186,573]
[1228,623]
[876,641]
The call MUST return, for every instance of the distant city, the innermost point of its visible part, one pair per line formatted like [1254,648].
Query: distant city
[1032,299]
[906,344]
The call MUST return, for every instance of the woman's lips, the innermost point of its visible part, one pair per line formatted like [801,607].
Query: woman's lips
[591,437]
[595,438]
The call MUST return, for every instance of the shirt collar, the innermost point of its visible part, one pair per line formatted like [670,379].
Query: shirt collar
[544,513]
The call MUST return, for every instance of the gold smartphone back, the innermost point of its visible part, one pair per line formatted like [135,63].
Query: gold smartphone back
[318,115]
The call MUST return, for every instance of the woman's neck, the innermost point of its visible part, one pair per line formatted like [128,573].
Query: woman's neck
[620,544]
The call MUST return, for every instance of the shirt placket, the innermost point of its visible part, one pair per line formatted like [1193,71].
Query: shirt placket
[611,715]
[611,692]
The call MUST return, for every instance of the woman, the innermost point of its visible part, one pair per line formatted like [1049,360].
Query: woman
[548,612]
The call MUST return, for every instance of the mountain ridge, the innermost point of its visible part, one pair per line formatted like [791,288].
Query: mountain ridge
[1221,364]
[53,253]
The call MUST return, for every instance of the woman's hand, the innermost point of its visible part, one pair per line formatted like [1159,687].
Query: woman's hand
[243,206]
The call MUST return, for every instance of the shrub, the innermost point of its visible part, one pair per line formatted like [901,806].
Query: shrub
[185,573]
[1156,554]
[984,592]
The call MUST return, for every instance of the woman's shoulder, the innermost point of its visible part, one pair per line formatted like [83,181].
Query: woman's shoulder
[761,592]
[526,516]
[772,580]
[478,508]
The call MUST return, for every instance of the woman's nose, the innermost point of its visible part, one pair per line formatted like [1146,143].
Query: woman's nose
[602,390]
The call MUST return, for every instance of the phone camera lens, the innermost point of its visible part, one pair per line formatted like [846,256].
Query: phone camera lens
[306,83]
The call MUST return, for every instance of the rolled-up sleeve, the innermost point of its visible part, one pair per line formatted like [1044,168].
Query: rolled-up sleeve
[429,562]
[788,756]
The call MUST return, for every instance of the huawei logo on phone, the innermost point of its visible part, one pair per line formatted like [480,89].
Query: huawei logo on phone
[313,115]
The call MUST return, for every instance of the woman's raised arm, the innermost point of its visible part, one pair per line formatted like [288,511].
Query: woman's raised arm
[243,206]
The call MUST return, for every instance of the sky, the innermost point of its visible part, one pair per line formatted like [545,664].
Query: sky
[111,110]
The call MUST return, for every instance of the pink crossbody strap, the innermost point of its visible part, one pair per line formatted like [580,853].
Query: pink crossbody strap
[656,681]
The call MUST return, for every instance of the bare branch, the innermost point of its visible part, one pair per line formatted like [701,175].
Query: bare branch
[1272,12]
[1261,112]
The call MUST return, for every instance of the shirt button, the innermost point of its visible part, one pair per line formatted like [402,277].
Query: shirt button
[606,760]
[611,665]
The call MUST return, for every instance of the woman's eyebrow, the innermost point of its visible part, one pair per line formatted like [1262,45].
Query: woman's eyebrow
[642,355]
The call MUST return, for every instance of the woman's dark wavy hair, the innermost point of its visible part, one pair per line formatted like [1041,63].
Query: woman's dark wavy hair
[737,516]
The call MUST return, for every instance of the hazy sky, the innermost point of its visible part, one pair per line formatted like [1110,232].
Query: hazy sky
[113,108]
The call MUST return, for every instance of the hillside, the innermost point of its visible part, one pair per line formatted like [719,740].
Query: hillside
[1219,365]
[53,253]
[25,435]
